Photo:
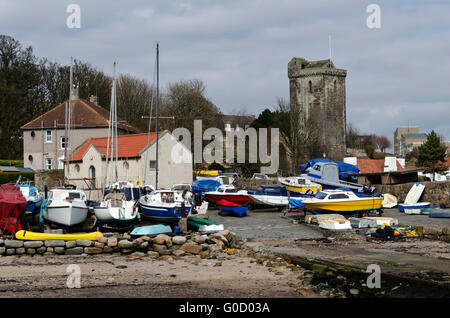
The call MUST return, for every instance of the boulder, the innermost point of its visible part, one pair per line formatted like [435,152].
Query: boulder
[33,244]
[41,250]
[50,249]
[107,249]
[84,243]
[191,248]
[74,251]
[178,253]
[2,242]
[93,250]
[159,247]
[13,243]
[163,239]
[220,237]
[218,242]
[146,238]
[138,242]
[99,245]
[71,244]
[143,246]
[112,242]
[31,251]
[59,250]
[125,244]
[200,239]
[10,251]
[153,254]
[102,239]
[165,252]
[20,251]
[178,240]
[55,243]
[2,250]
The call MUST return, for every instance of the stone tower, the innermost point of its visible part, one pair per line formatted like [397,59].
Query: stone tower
[317,91]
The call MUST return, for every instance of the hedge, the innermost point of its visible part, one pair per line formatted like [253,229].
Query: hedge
[12,177]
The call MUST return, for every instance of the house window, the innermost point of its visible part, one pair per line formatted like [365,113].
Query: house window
[48,136]
[64,142]
[152,164]
[48,164]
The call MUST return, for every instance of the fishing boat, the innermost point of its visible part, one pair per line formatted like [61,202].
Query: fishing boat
[163,205]
[273,195]
[231,207]
[115,208]
[32,195]
[342,200]
[64,207]
[327,175]
[228,192]
[299,184]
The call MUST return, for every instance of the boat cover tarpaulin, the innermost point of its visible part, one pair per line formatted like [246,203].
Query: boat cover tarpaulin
[344,168]
[12,204]
[205,185]
[295,204]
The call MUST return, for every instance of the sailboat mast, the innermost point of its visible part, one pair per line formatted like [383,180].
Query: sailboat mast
[157,112]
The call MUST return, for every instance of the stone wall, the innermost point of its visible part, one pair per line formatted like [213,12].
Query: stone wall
[435,192]
[162,245]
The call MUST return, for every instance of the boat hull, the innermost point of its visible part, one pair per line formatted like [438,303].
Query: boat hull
[67,215]
[123,214]
[238,210]
[344,206]
[240,198]
[162,214]
[301,189]
[421,205]
[270,200]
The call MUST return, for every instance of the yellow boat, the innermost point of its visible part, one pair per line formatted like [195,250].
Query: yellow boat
[299,184]
[342,201]
[35,236]
[210,173]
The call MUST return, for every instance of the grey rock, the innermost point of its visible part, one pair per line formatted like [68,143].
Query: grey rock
[178,253]
[31,251]
[10,251]
[48,254]
[178,240]
[2,250]
[84,243]
[41,250]
[59,250]
[33,244]
[50,249]
[13,243]
[93,250]
[107,249]
[71,244]
[112,242]
[158,247]
[2,242]
[165,252]
[20,251]
[55,243]
[125,244]
[74,251]
[153,254]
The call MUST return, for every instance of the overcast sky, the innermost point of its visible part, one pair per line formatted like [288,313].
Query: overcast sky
[397,75]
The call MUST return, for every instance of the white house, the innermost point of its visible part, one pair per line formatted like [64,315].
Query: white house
[87,166]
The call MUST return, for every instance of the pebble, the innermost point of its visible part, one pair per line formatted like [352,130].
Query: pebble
[354,291]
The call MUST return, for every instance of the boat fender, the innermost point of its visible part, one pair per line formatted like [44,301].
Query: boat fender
[138,182]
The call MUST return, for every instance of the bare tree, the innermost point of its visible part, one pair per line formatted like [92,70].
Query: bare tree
[382,143]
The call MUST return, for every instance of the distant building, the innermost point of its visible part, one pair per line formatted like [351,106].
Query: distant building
[398,133]
[136,160]
[317,91]
[237,121]
[44,139]
[410,141]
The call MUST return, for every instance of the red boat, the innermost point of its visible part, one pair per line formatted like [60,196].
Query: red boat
[12,204]
[228,192]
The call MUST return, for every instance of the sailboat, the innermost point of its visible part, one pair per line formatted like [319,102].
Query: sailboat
[115,209]
[162,205]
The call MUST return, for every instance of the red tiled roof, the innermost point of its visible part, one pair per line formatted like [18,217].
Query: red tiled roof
[440,164]
[128,146]
[373,166]
[84,115]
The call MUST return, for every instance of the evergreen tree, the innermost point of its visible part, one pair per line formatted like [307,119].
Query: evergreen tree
[431,152]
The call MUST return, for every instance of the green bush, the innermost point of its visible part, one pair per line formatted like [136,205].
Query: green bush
[15,163]
[12,177]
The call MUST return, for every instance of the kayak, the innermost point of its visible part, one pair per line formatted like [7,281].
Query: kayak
[151,230]
[35,236]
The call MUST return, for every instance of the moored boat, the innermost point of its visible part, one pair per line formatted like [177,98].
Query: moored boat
[228,192]
[342,201]
[65,207]
[300,184]
[231,207]
[273,195]
[163,206]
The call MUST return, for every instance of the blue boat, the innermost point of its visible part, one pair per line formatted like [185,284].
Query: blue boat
[418,205]
[151,230]
[32,195]
[230,207]
[205,185]
[163,206]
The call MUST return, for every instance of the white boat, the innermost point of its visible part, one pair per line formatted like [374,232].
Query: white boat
[412,200]
[335,224]
[115,208]
[65,207]
[163,205]
[389,201]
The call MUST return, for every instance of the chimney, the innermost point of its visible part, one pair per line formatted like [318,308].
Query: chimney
[93,99]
